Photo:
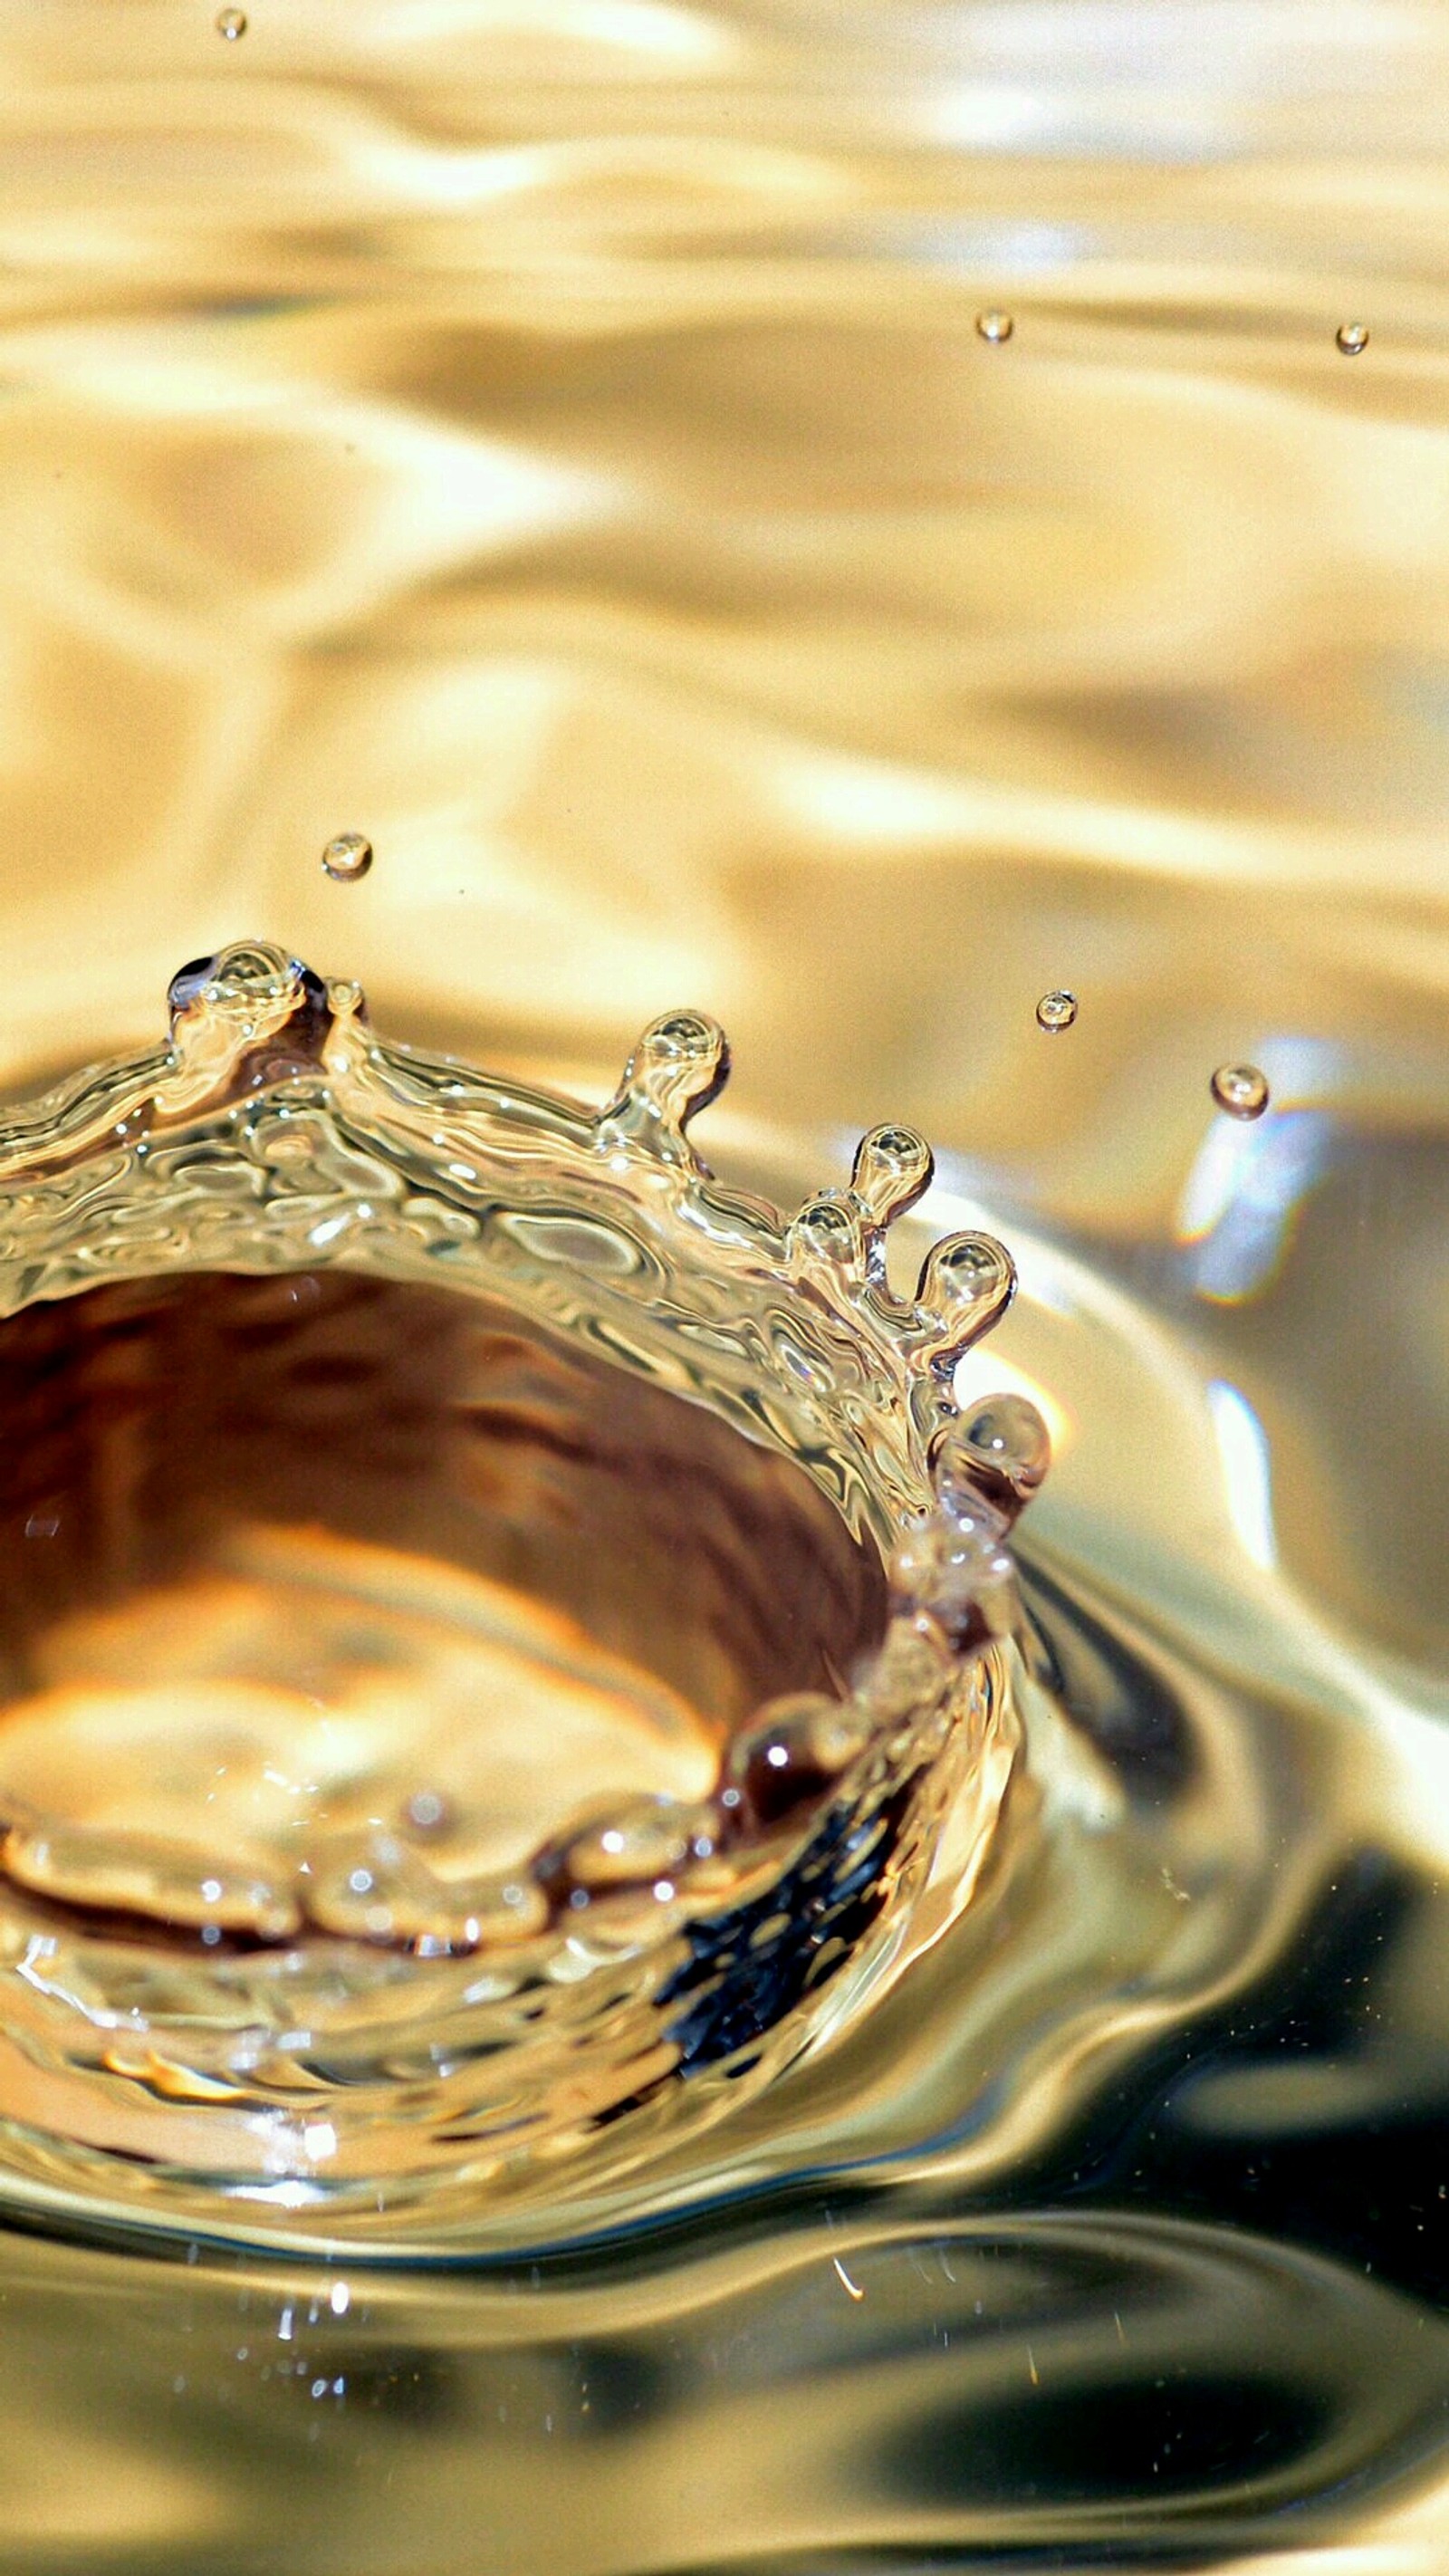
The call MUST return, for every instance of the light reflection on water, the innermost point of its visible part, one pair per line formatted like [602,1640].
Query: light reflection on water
[556,442]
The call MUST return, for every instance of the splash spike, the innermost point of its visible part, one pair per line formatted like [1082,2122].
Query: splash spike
[967,1282]
[828,1229]
[680,1064]
[893,1169]
[999,1448]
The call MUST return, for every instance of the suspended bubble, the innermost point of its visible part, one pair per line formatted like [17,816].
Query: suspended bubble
[1241,1090]
[1056,1011]
[995,326]
[231,23]
[347,857]
[1352,338]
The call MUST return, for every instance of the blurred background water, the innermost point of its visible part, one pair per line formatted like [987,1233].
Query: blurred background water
[553,437]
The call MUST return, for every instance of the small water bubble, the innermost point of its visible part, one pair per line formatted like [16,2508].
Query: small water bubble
[231,23]
[994,326]
[967,1278]
[347,857]
[1241,1090]
[1352,338]
[1056,1010]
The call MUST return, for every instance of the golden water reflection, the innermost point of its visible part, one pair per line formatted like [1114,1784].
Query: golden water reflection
[553,438]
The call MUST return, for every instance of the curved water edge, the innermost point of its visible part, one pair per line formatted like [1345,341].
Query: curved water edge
[277,1932]
[1073,2240]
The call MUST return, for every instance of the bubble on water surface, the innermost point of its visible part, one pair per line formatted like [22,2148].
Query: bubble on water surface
[1352,338]
[995,326]
[230,24]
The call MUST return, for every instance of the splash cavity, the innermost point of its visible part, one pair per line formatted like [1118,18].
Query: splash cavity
[493,1624]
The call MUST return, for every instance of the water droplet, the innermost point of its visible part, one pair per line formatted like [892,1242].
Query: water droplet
[231,23]
[893,1167]
[1055,1011]
[828,1228]
[347,857]
[1240,1089]
[1352,338]
[250,988]
[793,1751]
[967,1280]
[1001,1448]
[995,326]
[680,1064]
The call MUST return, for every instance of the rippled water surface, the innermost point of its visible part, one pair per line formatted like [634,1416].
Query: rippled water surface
[554,439]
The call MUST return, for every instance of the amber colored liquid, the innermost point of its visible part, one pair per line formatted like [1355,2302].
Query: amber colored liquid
[557,444]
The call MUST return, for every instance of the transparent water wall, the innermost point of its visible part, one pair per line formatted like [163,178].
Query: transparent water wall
[608,1966]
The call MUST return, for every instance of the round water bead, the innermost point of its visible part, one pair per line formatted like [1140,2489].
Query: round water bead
[231,23]
[1002,1446]
[1352,338]
[967,1277]
[791,1752]
[995,326]
[347,857]
[829,1227]
[1056,1011]
[893,1168]
[1241,1090]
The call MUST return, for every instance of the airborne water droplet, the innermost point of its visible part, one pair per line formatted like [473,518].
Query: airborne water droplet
[1241,1090]
[231,23]
[995,326]
[1352,338]
[347,857]
[1056,1011]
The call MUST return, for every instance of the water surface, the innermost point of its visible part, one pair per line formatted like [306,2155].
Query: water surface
[555,442]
